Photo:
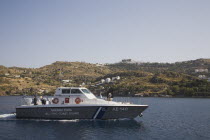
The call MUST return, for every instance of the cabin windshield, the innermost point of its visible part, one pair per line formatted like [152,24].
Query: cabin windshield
[86,91]
[75,91]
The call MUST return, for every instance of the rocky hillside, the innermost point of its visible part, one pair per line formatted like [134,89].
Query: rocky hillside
[143,79]
[187,67]
[14,80]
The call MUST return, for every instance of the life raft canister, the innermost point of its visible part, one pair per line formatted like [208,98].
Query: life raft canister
[78,100]
[55,100]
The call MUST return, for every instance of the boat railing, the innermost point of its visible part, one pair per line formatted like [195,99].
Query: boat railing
[29,101]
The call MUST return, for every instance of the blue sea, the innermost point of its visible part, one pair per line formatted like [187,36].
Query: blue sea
[165,119]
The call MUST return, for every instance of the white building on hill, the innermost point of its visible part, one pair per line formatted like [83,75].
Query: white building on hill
[201,70]
[202,76]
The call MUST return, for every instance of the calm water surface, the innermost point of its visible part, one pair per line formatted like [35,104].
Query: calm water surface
[165,119]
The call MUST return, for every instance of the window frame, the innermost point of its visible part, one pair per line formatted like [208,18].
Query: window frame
[76,93]
[88,91]
[66,93]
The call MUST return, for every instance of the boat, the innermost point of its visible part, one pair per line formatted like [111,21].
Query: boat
[77,103]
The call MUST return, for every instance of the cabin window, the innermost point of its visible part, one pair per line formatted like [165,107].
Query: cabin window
[75,91]
[86,91]
[65,91]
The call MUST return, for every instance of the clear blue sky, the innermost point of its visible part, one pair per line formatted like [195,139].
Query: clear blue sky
[34,33]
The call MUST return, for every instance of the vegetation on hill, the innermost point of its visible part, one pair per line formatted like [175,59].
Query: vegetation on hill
[137,79]
[187,67]
[135,83]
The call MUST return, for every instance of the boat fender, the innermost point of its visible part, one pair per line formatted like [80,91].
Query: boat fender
[55,100]
[78,100]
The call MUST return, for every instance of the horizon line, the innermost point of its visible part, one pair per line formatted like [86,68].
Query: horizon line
[134,61]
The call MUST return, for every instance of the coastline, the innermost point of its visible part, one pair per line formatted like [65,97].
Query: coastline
[161,96]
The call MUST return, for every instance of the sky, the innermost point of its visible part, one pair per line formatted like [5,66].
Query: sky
[34,33]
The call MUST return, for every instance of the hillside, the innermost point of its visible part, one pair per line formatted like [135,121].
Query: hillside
[143,79]
[187,67]
[139,83]
[16,80]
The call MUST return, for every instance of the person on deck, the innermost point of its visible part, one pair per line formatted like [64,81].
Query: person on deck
[35,100]
[109,97]
[43,100]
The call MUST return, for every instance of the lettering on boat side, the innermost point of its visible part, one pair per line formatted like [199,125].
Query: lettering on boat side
[61,109]
[61,112]
[119,109]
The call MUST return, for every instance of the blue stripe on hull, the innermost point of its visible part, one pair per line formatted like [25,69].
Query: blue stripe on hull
[101,113]
[95,113]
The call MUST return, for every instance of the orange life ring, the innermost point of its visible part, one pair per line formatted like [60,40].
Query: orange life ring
[55,100]
[78,100]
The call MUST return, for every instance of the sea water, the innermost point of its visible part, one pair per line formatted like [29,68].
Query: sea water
[165,119]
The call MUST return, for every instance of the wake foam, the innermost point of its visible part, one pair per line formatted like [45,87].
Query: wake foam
[76,120]
[7,116]
[13,117]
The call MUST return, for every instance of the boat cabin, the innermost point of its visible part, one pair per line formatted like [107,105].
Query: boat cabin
[65,95]
[74,92]
[73,95]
